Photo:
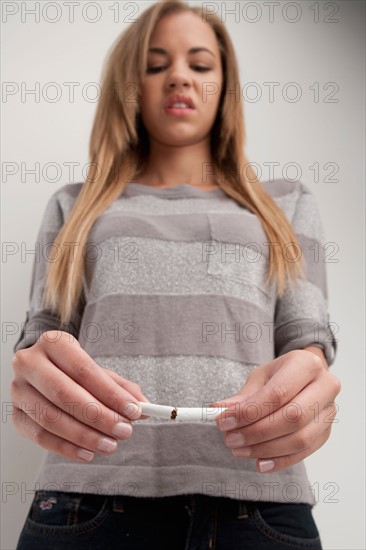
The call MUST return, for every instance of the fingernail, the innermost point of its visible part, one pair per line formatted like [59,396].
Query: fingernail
[227,423]
[107,445]
[85,455]
[266,465]
[242,452]
[132,410]
[235,439]
[122,429]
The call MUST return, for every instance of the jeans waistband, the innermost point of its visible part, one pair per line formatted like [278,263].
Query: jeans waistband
[239,507]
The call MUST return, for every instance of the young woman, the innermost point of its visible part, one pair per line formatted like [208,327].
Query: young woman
[188,283]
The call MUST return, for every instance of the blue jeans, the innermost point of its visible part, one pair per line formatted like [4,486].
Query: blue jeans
[58,520]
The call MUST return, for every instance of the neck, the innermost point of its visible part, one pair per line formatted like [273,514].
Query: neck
[172,165]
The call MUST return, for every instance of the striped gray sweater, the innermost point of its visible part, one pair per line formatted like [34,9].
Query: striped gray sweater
[175,301]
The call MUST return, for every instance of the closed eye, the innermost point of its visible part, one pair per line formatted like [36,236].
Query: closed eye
[159,69]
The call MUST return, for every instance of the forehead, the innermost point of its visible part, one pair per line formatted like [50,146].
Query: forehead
[183,30]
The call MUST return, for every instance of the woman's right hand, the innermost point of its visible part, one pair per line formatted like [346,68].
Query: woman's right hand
[66,403]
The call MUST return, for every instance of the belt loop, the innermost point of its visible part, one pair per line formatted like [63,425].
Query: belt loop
[118,503]
[242,510]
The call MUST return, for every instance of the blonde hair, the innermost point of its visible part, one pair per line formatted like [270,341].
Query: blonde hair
[118,150]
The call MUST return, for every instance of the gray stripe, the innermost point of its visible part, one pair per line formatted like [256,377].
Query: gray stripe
[279,187]
[191,459]
[238,270]
[288,203]
[172,325]
[302,319]
[40,322]
[59,206]
[313,254]
[148,266]
[307,220]
[302,301]
[71,189]
[150,205]
[179,191]
[244,228]
[180,380]
[187,227]
[300,333]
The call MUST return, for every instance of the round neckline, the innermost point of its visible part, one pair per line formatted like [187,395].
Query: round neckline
[180,190]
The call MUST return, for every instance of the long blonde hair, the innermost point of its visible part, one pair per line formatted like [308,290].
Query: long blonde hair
[119,148]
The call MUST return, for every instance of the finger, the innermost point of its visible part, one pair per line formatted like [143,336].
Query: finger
[57,422]
[256,379]
[62,391]
[296,372]
[287,445]
[26,427]
[130,386]
[76,363]
[294,416]
[127,384]
[279,463]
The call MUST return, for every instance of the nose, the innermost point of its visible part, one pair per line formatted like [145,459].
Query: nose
[178,77]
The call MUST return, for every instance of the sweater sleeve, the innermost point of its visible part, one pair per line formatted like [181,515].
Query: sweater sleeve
[301,314]
[38,319]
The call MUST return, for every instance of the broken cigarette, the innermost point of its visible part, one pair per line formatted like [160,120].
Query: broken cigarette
[180,413]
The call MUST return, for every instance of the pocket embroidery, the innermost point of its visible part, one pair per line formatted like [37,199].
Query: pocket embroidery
[47,504]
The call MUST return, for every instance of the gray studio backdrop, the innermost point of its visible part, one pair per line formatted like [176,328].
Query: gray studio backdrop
[302,79]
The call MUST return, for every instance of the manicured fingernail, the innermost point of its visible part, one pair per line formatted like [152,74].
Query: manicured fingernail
[242,452]
[107,445]
[85,455]
[227,423]
[266,465]
[122,429]
[132,410]
[235,439]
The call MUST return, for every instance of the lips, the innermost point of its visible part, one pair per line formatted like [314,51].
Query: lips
[178,98]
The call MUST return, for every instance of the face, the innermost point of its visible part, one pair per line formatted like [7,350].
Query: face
[177,70]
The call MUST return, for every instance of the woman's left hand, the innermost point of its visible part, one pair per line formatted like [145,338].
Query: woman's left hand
[283,413]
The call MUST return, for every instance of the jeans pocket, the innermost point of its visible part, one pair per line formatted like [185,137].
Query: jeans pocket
[289,523]
[55,512]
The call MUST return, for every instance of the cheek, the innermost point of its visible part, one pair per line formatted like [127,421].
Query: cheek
[150,105]
[210,92]
[211,106]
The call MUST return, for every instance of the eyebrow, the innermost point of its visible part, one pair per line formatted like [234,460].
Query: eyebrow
[192,50]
